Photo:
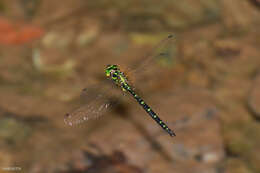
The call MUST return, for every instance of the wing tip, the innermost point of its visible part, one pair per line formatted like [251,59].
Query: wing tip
[66,117]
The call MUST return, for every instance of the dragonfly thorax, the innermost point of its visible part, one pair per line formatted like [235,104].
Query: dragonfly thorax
[116,75]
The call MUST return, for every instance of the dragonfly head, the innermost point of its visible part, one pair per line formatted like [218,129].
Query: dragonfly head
[112,71]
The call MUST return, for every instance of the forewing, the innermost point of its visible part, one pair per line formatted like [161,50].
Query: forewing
[163,53]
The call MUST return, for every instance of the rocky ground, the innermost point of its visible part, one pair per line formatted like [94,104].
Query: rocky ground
[208,93]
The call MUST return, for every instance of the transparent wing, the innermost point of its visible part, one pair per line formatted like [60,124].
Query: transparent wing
[96,103]
[163,53]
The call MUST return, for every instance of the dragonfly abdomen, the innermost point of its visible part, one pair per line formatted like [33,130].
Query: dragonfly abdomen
[149,110]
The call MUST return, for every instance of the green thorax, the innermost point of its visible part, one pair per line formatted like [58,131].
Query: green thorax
[113,72]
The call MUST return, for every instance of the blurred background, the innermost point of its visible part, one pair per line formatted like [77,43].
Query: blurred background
[208,91]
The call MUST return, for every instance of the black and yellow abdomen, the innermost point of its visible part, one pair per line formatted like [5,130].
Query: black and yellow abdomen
[148,110]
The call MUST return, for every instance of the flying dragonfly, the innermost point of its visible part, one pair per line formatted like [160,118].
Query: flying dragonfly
[99,103]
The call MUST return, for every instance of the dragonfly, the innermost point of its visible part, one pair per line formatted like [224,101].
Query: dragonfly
[99,103]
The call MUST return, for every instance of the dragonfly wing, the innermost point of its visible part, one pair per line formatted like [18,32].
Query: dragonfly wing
[164,52]
[95,103]
[90,111]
